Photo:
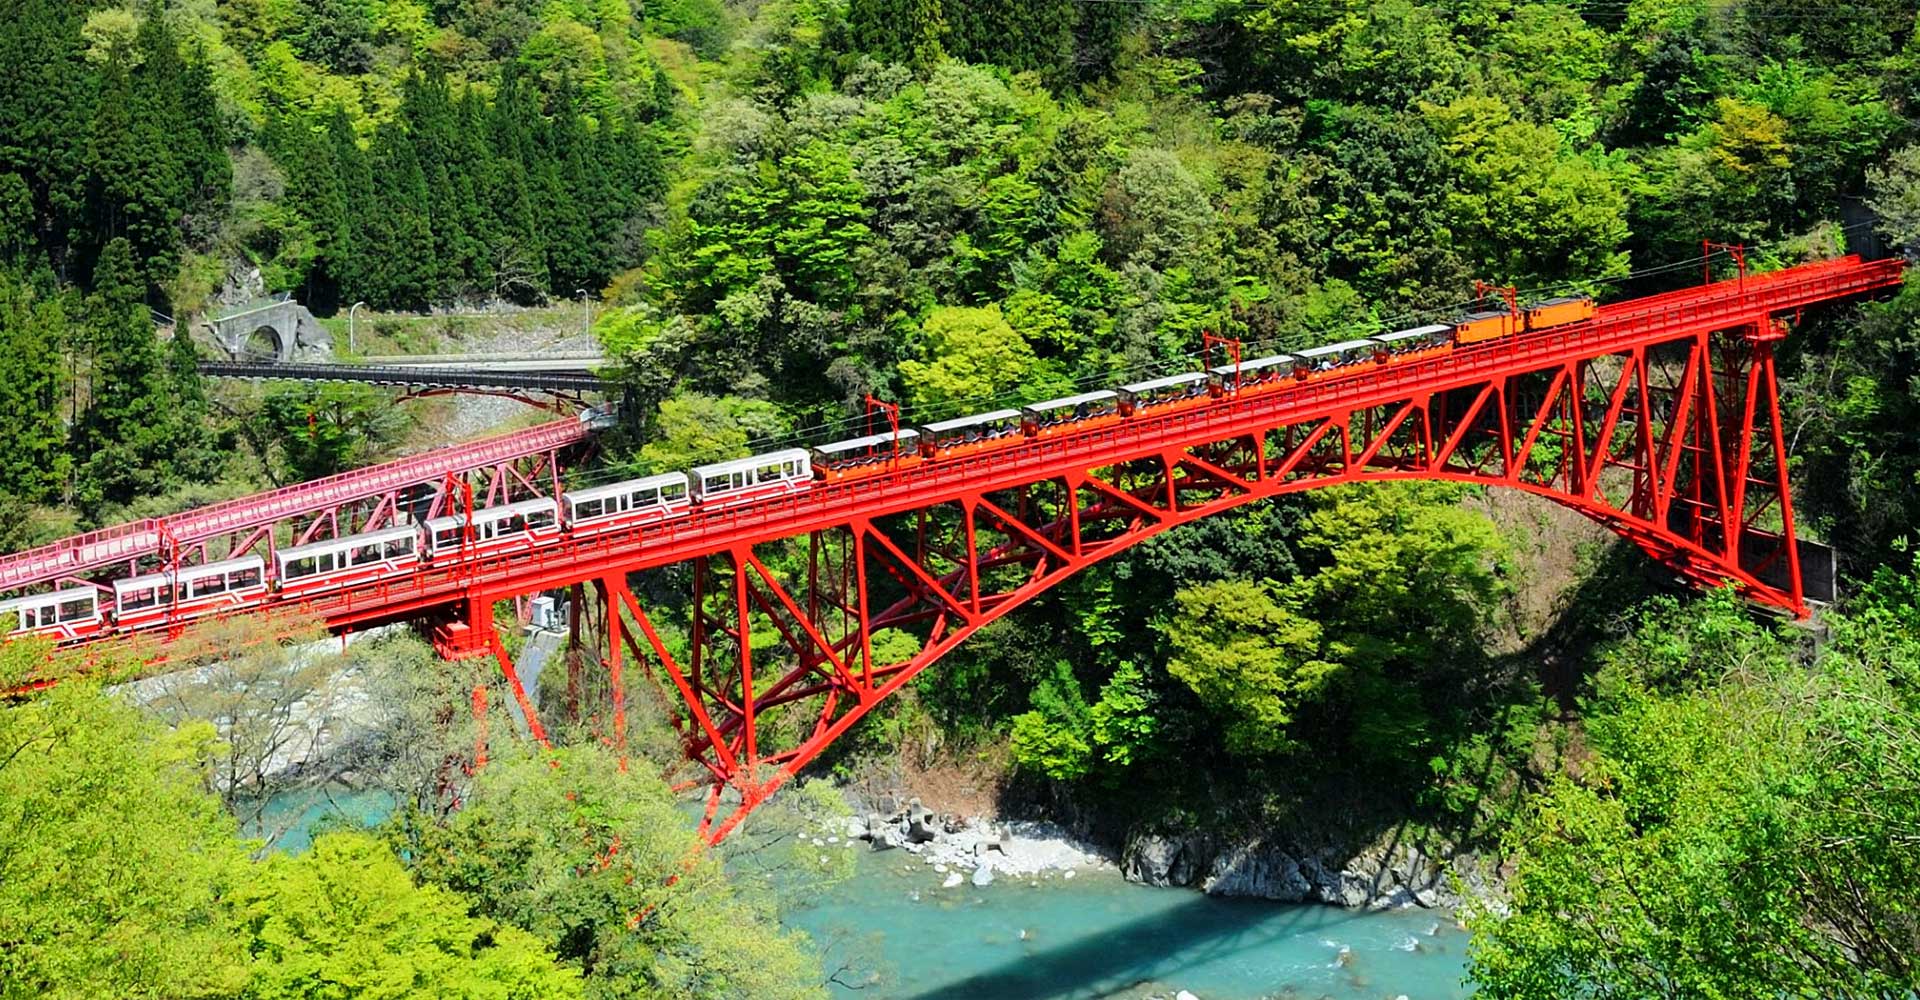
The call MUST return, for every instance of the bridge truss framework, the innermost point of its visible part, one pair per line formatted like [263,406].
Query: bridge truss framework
[770,629]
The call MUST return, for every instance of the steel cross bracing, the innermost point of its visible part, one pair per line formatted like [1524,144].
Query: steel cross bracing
[770,628]
[507,466]
[556,390]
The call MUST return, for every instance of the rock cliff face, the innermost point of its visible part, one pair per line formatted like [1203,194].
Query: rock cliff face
[1385,875]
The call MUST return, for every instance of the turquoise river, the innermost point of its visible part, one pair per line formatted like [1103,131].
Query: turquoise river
[898,935]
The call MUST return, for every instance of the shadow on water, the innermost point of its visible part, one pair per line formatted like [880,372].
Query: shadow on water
[1151,948]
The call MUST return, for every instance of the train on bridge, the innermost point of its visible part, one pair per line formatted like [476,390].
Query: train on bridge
[183,593]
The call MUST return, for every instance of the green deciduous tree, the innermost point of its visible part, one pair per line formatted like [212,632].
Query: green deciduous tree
[1896,196]
[598,863]
[115,866]
[345,919]
[316,431]
[1528,211]
[1252,661]
[1375,636]
[692,429]
[972,357]
[1742,828]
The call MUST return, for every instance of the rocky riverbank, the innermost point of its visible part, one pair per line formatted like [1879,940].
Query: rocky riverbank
[1386,874]
[1395,870]
[977,849]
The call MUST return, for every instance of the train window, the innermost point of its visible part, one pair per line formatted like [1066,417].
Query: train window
[30,617]
[540,519]
[77,609]
[448,538]
[587,510]
[207,585]
[248,577]
[364,554]
[402,546]
[304,566]
[134,600]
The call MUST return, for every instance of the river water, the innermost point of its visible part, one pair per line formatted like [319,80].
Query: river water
[1097,935]
[901,936]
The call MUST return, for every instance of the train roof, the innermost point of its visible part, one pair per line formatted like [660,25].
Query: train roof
[50,597]
[1068,402]
[1340,348]
[1270,361]
[1414,333]
[975,420]
[1168,382]
[492,513]
[871,440]
[190,573]
[1558,301]
[1490,314]
[364,538]
[751,462]
[628,486]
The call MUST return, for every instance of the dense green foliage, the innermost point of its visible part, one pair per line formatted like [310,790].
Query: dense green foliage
[344,919]
[1743,826]
[121,874]
[603,868]
[959,204]
[117,866]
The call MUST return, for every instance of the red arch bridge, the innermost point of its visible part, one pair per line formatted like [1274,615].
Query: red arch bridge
[1658,417]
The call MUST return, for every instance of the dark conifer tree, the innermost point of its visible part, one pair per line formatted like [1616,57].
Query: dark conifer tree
[160,130]
[45,105]
[1031,35]
[34,339]
[120,434]
[189,445]
[203,139]
[427,108]
[564,176]
[910,32]
[317,194]
[519,255]
[352,259]
[396,231]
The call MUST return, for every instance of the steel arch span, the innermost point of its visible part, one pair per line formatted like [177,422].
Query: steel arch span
[770,627]
[784,644]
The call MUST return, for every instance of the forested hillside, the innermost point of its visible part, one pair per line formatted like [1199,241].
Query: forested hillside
[788,205]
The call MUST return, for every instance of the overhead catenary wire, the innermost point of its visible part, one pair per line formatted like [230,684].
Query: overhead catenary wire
[856,424]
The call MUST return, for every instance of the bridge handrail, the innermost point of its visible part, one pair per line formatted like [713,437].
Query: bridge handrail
[1738,299]
[1616,328]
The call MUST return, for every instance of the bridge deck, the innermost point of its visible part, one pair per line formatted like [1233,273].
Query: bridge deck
[1619,327]
[412,376]
[108,546]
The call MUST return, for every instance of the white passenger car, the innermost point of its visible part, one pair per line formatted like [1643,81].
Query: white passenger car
[743,479]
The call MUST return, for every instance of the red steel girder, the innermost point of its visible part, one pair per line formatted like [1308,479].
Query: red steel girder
[1644,419]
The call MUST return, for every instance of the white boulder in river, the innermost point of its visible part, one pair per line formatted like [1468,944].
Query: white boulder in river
[1184,995]
[952,880]
[983,875]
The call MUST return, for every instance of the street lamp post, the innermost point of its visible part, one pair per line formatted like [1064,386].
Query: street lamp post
[589,306]
[350,312]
